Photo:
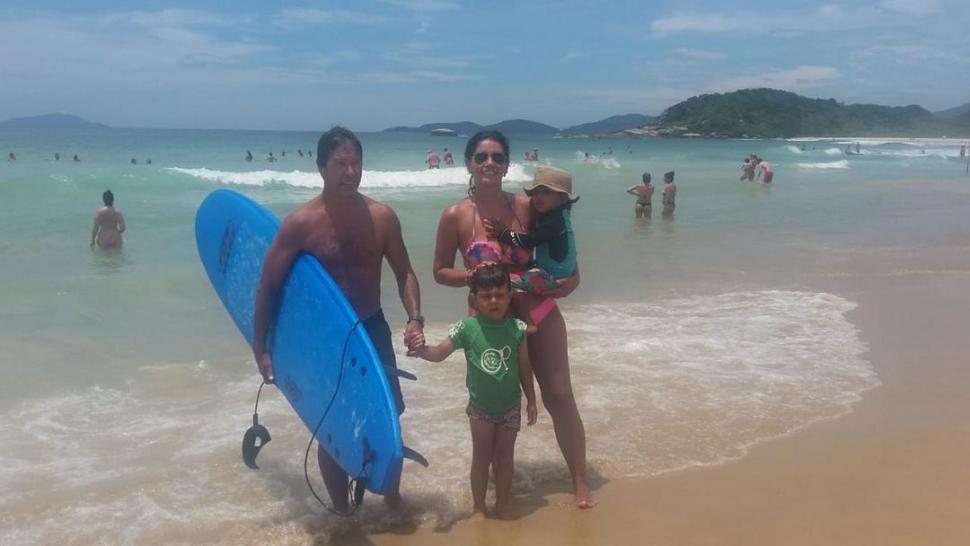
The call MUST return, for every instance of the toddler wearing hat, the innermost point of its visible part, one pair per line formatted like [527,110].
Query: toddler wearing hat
[551,234]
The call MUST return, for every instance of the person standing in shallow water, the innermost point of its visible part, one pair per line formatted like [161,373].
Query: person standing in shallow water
[109,224]
[351,235]
[461,231]
[669,194]
[644,193]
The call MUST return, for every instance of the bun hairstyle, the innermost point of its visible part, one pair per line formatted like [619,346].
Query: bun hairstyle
[108,198]
[669,175]
[473,143]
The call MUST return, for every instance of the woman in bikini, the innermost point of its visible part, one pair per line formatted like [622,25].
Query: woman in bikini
[644,193]
[461,229]
[109,224]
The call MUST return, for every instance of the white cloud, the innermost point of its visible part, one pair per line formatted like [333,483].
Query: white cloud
[295,18]
[699,54]
[793,79]
[938,55]
[570,56]
[424,5]
[826,18]
[419,55]
[648,100]
[414,76]
[696,23]
[116,45]
[917,8]
[830,10]
[169,18]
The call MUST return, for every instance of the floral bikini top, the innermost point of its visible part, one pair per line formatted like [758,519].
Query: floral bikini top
[479,252]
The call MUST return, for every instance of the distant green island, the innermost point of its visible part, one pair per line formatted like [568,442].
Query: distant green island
[512,126]
[51,121]
[527,127]
[746,113]
[749,113]
[770,113]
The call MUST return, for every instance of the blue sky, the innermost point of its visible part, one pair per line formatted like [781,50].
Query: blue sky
[373,64]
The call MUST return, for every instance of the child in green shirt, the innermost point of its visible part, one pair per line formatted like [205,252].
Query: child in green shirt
[497,360]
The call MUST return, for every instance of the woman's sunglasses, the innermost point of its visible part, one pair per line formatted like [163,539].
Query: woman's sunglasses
[498,157]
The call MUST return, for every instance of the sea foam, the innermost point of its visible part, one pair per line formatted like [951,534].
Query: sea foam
[661,386]
[843,164]
[456,176]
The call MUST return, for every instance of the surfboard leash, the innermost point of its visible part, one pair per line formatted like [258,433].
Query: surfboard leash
[254,434]
[354,499]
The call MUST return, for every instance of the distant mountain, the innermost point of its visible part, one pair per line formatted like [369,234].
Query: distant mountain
[771,113]
[511,126]
[52,121]
[951,113]
[460,127]
[523,127]
[609,125]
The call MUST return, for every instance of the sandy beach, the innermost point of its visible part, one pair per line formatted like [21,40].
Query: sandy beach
[894,471]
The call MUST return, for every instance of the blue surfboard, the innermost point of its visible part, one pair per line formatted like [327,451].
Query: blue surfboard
[361,430]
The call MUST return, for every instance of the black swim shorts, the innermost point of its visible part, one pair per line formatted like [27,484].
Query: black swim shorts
[380,335]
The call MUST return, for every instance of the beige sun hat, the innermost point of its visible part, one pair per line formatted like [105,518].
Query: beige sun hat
[554,178]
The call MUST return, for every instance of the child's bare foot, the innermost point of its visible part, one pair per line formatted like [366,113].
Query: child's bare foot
[584,497]
[477,516]
[501,512]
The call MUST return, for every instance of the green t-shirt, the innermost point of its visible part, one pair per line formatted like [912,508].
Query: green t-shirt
[492,353]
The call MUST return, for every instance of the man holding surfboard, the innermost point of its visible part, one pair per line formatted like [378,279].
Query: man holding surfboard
[350,234]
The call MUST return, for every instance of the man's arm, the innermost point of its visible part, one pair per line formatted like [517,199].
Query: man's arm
[279,258]
[632,190]
[407,281]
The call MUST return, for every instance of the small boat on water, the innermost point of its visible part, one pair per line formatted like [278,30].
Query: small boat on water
[442,131]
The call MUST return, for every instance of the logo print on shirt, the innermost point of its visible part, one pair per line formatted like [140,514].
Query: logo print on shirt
[495,361]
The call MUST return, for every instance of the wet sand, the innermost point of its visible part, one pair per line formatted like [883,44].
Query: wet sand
[894,471]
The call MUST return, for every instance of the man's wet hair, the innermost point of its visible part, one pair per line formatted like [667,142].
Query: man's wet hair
[489,275]
[646,178]
[336,137]
[482,136]
[108,198]
[669,175]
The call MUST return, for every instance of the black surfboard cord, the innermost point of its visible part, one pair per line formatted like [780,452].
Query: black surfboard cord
[351,498]
[257,430]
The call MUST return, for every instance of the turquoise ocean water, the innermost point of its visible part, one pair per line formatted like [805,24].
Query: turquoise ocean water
[127,388]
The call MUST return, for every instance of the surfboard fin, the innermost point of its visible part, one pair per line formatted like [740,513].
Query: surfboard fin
[249,447]
[401,373]
[414,456]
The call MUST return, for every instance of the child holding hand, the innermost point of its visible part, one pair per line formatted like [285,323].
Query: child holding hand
[498,372]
